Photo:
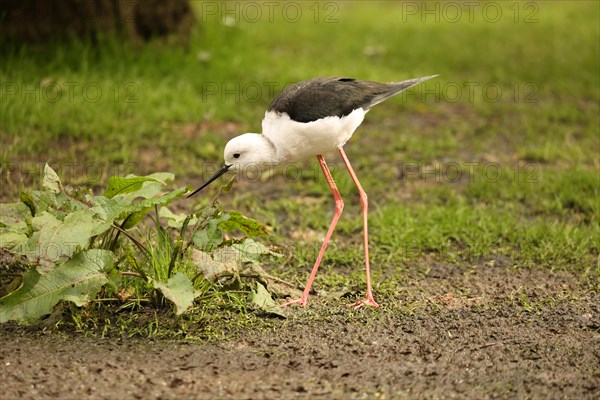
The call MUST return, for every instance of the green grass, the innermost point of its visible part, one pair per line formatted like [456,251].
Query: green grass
[528,186]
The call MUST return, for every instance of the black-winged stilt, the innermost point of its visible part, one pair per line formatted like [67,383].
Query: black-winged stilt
[312,118]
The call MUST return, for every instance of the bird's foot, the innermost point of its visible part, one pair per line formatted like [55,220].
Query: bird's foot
[301,302]
[367,301]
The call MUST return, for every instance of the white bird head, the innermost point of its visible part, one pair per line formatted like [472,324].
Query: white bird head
[250,150]
[247,151]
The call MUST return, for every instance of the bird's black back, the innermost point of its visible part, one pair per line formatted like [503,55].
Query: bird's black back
[318,98]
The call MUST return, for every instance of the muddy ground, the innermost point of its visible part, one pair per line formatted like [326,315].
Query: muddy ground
[482,333]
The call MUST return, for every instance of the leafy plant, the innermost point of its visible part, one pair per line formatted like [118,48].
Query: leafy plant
[73,243]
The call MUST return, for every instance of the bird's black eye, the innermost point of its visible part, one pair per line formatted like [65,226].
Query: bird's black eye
[236,155]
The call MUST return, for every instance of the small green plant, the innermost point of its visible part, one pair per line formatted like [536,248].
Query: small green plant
[75,246]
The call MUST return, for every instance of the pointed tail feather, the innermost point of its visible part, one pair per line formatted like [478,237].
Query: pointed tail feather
[397,87]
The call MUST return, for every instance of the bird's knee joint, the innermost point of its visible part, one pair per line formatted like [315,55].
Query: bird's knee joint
[364,199]
[339,205]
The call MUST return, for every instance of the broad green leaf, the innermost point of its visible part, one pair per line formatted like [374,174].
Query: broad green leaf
[44,201]
[12,214]
[132,187]
[51,243]
[133,219]
[262,298]
[57,204]
[250,250]
[148,190]
[163,177]
[69,202]
[247,225]
[211,236]
[51,180]
[119,186]
[175,220]
[106,209]
[223,262]
[10,240]
[77,280]
[150,203]
[57,240]
[179,290]
[118,208]
[15,234]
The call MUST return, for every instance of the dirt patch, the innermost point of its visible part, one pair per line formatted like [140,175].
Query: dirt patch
[488,332]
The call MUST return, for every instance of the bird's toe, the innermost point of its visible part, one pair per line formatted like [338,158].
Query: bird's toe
[301,302]
[367,301]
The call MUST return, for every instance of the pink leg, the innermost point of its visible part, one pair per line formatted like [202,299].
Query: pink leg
[339,207]
[369,301]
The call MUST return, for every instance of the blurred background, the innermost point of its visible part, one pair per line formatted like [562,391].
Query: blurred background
[499,153]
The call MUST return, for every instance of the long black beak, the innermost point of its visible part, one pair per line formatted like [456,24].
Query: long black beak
[220,172]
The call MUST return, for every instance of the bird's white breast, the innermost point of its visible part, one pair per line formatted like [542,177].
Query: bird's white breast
[296,141]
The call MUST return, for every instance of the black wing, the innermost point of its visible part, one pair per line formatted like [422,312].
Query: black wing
[318,98]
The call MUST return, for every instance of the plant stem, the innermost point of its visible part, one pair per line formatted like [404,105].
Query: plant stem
[107,300]
[131,273]
[177,251]
[134,240]
[114,242]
